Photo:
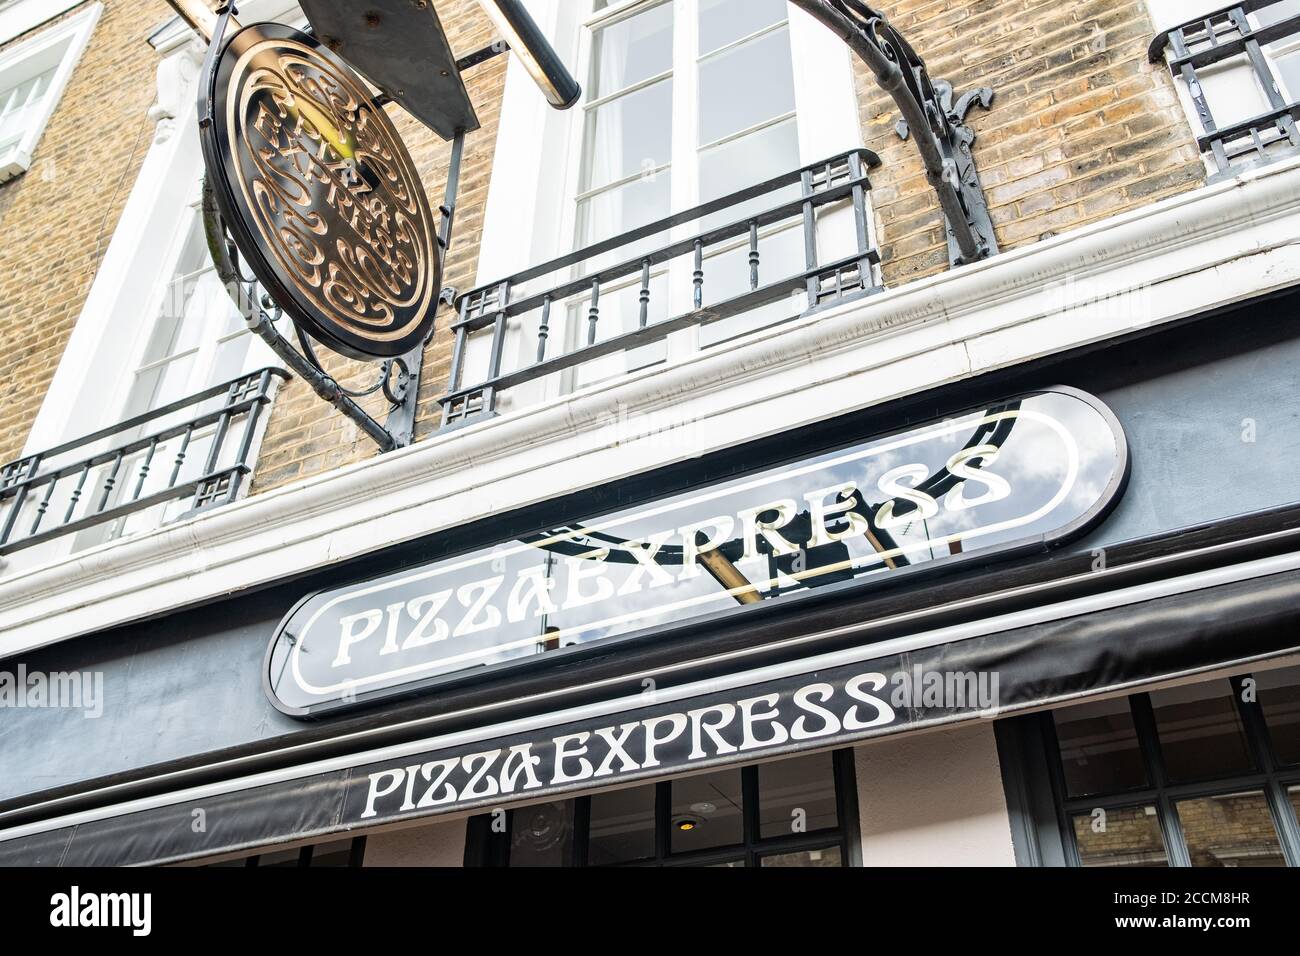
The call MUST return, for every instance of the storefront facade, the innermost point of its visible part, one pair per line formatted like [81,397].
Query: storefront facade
[993,565]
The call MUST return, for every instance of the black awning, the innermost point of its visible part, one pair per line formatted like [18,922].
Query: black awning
[1227,625]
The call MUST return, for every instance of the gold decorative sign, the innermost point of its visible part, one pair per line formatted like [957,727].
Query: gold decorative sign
[321,195]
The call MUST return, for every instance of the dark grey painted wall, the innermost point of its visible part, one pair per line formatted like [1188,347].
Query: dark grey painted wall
[191,684]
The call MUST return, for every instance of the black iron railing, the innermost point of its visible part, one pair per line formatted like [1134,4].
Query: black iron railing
[197,448]
[492,310]
[1221,36]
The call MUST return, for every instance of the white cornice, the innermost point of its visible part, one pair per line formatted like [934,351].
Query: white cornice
[1204,249]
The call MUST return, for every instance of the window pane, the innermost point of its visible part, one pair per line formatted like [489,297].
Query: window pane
[338,853]
[160,385]
[706,812]
[1200,733]
[831,856]
[797,796]
[622,827]
[195,307]
[619,312]
[745,86]
[1277,12]
[630,135]
[1233,830]
[19,105]
[1099,748]
[195,304]
[1294,794]
[748,161]
[542,835]
[632,50]
[726,21]
[1279,698]
[231,360]
[726,275]
[1288,67]
[1127,837]
[617,210]
[280,858]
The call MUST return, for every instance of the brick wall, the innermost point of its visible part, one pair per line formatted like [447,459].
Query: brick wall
[1082,126]
[305,436]
[57,219]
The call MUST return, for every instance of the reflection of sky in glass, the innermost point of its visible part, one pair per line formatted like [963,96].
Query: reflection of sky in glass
[1057,460]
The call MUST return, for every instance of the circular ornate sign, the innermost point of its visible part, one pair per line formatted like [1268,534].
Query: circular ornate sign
[320,194]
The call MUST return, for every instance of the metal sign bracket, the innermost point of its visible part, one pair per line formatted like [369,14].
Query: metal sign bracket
[930,116]
[398,378]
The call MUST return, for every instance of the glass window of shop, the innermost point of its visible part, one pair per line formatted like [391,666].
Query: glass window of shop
[331,854]
[1204,774]
[789,813]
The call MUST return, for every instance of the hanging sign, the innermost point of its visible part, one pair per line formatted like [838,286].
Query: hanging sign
[1036,470]
[320,194]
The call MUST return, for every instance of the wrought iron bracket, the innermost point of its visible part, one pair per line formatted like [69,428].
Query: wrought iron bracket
[401,386]
[399,379]
[956,150]
[931,115]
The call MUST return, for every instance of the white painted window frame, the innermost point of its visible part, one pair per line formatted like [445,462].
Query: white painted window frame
[70,40]
[1276,51]
[529,220]
[684,166]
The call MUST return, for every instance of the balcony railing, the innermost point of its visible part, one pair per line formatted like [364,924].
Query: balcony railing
[1221,36]
[193,454]
[674,255]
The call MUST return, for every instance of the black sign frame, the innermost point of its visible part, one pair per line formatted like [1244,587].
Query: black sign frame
[1106,502]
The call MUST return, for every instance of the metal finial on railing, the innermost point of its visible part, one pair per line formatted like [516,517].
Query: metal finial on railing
[544,332]
[697,278]
[644,318]
[593,313]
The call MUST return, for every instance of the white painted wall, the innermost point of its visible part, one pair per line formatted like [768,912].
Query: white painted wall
[441,844]
[933,799]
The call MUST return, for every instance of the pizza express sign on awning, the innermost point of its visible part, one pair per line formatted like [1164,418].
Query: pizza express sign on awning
[1037,469]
